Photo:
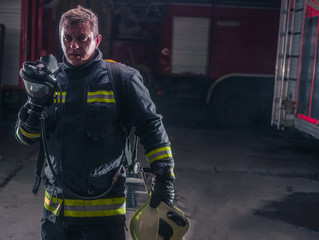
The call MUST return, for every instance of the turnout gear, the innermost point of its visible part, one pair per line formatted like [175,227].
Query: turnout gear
[86,139]
[161,223]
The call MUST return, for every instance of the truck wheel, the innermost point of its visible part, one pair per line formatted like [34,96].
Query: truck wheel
[234,107]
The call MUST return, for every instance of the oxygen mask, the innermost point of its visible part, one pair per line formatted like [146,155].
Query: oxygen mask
[39,80]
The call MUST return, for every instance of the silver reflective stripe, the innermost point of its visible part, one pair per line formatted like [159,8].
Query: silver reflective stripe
[101,96]
[93,207]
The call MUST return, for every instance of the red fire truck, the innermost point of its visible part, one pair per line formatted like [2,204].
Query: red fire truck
[296,96]
[221,56]
[26,35]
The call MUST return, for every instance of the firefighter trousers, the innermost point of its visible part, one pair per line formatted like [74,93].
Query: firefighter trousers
[98,231]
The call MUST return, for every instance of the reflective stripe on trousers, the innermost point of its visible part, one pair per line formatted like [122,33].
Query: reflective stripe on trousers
[88,208]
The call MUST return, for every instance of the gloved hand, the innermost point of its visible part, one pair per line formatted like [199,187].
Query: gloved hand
[163,188]
[29,119]
[28,129]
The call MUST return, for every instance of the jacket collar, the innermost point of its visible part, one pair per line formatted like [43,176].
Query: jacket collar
[70,68]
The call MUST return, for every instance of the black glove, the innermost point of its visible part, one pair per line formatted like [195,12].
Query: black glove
[29,119]
[163,188]
[28,129]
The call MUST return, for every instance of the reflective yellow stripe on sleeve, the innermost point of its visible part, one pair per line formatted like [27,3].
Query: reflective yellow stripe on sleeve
[159,153]
[101,96]
[29,135]
[19,137]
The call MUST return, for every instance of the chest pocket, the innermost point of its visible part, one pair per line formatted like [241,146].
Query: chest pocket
[101,115]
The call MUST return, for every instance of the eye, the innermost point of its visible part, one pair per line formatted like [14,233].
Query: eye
[83,38]
[67,38]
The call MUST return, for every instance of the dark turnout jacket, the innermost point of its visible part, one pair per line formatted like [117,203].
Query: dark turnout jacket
[86,141]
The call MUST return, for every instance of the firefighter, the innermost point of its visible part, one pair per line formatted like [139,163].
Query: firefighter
[86,141]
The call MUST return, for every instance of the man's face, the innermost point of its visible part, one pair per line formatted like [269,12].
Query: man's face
[78,42]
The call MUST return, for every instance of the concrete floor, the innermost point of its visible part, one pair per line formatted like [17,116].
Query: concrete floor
[248,184]
[239,185]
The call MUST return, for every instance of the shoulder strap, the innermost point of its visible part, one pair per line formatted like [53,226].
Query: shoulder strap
[116,80]
[114,74]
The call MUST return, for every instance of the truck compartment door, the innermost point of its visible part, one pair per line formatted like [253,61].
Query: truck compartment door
[307,100]
[190,45]
[308,80]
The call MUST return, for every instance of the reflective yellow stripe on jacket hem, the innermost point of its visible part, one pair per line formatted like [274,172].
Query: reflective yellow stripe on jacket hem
[104,213]
[82,208]
[94,208]
[159,153]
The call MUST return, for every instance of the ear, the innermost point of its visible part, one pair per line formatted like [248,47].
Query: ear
[98,41]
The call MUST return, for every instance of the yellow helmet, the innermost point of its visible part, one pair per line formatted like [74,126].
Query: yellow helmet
[159,223]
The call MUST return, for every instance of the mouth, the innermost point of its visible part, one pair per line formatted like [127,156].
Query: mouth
[74,55]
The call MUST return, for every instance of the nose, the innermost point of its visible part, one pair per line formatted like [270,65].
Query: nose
[74,44]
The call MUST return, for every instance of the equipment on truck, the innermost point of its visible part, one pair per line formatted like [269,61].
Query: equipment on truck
[295,102]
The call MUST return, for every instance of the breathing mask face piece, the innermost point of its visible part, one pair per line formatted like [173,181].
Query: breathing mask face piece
[37,90]
[39,80]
